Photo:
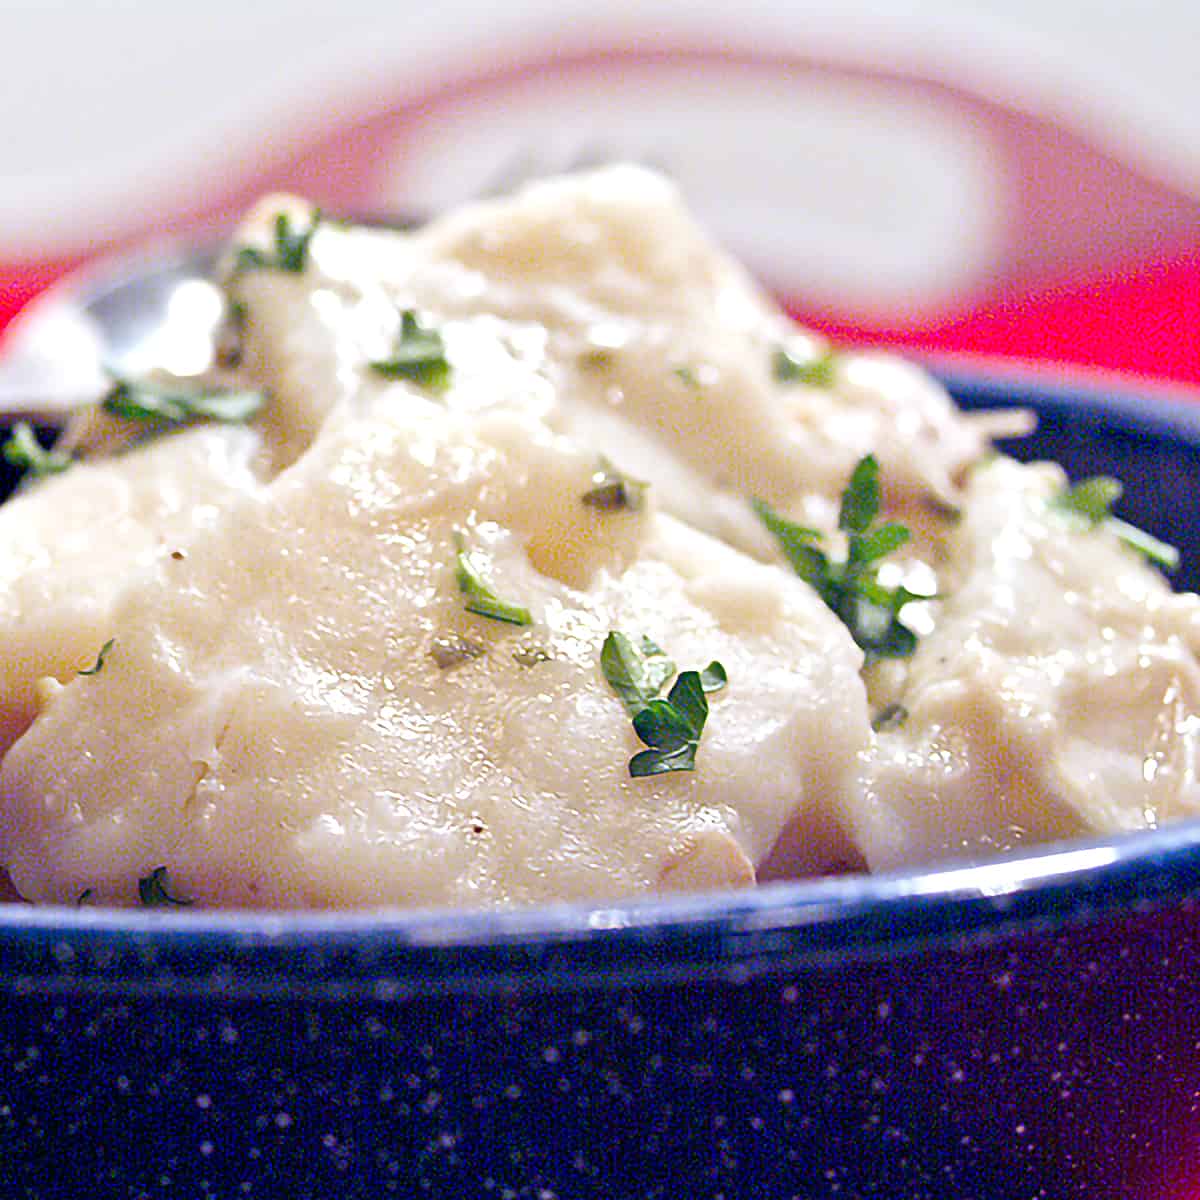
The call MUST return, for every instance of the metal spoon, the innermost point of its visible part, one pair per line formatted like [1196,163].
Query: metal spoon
[158,308]
[155,308]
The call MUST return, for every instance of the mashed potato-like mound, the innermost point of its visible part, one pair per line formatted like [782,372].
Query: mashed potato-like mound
[278,724]
[297,708]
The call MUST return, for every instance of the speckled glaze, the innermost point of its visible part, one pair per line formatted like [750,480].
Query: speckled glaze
[1028,1029]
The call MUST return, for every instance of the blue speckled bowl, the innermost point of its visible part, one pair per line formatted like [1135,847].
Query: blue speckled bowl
[1028,1029]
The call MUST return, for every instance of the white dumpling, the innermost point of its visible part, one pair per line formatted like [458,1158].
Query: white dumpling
[272,724]
[70,544]
[597,302]
[1058,693]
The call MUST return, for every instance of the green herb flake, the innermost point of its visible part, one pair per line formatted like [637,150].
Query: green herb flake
[98,666]
[1092,499]
[1090,502]
[419,355]
[289,252]
[24,451]
[850,587]
[637,673]
[237,313]
[816,370]
[481,599]
[671,728]
[169,404]
[614,491]
[231,333]
[154,892]
[687,376]
[84,898]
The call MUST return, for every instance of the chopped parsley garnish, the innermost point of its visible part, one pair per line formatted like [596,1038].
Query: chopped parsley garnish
[813,369]
[687,376]
[231,333]
[96,668]
[889,717]
[636,673]
[237,313]
[290,251]
[671,728]
[153,891]
[84,897]
[850,586]
[481,599]
[613,491]
[140,400]
[419,355]
[23,450]
[1090,501]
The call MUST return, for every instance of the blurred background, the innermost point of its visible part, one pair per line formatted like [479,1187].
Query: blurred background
[1017,177]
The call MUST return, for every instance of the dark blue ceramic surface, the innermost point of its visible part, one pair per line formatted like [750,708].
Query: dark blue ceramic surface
[1028,1029]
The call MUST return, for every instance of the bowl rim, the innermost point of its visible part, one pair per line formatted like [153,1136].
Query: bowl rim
[823,923]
